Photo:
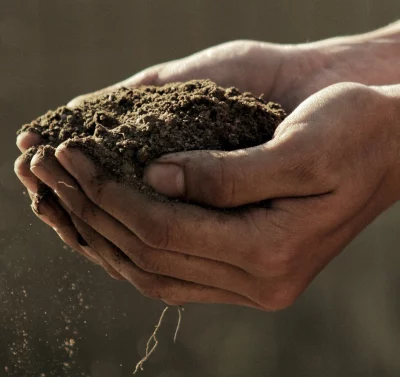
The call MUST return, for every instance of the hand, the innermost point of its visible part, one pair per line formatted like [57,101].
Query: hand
[293,73]
[252,66]
[331,168]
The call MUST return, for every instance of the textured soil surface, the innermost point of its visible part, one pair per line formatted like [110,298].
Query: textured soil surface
[126,130]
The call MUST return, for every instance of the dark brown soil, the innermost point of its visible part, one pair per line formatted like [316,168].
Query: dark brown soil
[126,130]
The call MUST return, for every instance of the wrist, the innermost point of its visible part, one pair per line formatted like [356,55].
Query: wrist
[371,59]
[391,124]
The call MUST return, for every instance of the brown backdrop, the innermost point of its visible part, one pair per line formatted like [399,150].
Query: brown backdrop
[346,324]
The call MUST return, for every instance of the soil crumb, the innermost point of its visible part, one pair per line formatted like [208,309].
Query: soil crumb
[127,129]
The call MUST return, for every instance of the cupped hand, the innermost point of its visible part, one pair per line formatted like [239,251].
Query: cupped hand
[286,74]
[329,171]
[253,66]
[51,211]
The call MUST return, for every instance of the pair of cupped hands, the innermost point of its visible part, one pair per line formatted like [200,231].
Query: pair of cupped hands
[330,169]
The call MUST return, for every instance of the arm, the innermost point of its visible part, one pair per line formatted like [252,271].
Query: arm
[330,170]
[371,59]
[287,74]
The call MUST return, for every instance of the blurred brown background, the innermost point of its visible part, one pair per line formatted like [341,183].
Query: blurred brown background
[61,316]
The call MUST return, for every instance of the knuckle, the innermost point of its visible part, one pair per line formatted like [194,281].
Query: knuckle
[275,263]
[222,193]
[84,210]
[284,259]
[281,261]
[157,232]
[153,291]
[269,263]
[220,185]
[244,48]
[354,90]
[358,95]
[149,261]
[280,297]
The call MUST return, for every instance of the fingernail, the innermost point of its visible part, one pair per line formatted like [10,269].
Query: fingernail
[167,179]
[62,155]
[44,175]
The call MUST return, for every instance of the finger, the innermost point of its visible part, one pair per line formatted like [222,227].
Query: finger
[184,267]
[163,262]
[87,243]
[32,197]
[172,290]
[297,162]
[26,140]
[66,229]
[281,168]
[53,215]
[176,227]
[50,213]
[157,286]
[146,77]
[108,252]
[23,171]
[158,261]
[227,64]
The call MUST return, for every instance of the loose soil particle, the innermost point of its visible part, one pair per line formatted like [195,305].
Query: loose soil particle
[125,130]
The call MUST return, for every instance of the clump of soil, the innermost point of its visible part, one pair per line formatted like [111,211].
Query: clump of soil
[127,129]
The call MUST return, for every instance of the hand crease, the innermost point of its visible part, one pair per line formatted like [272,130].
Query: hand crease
[66,184]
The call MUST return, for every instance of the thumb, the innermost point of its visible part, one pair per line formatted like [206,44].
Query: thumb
[147,77]
[277,169]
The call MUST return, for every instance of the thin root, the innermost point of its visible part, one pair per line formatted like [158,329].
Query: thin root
[180,310]
[151,348]
[67,185]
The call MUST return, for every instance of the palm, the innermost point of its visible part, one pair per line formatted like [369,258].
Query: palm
[283,74]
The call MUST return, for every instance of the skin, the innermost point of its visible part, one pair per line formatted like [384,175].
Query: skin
[330,169]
